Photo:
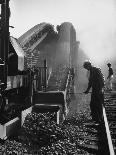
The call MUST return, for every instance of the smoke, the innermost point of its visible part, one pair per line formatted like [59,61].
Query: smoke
[98,36]
[97,33]
[94,21]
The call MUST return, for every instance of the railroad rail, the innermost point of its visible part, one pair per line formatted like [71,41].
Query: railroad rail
[110,116]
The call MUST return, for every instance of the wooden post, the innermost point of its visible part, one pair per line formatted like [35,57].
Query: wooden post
[5,14]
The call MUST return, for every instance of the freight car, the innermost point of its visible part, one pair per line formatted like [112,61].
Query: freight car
[17,94]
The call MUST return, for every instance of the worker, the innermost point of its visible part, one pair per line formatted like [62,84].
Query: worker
[96,83]
[110,77]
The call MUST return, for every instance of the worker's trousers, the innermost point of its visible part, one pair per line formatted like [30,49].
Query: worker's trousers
[109,82]
[97,101]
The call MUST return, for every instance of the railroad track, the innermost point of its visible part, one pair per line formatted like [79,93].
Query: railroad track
[110,112]
[105,142]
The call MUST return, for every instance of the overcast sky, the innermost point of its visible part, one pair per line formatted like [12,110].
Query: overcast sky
[94,21]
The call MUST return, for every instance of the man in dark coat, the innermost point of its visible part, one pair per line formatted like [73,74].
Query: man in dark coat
[96,82]
[110,77]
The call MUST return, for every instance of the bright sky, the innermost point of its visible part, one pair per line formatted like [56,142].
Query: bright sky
[94,21]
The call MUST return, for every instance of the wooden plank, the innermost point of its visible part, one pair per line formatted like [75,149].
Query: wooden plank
[7,129]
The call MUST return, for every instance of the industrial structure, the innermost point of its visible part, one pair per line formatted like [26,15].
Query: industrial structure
[37,73]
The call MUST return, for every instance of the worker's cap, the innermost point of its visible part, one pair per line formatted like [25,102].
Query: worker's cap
[86,64]
[109,64]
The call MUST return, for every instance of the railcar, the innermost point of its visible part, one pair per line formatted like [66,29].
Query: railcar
[21,71]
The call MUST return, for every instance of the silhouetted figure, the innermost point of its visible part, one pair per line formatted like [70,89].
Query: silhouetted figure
[110,77]
[96,82]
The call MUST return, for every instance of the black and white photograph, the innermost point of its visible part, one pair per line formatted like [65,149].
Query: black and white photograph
[57,77]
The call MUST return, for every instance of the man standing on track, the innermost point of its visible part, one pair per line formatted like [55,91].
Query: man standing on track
[96,82]
[110,77]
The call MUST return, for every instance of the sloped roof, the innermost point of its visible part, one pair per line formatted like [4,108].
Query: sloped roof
[34,30]
[17,47]
[31,40]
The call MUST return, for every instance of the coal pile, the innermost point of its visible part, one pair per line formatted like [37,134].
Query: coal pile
[41,135]
[12,148]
